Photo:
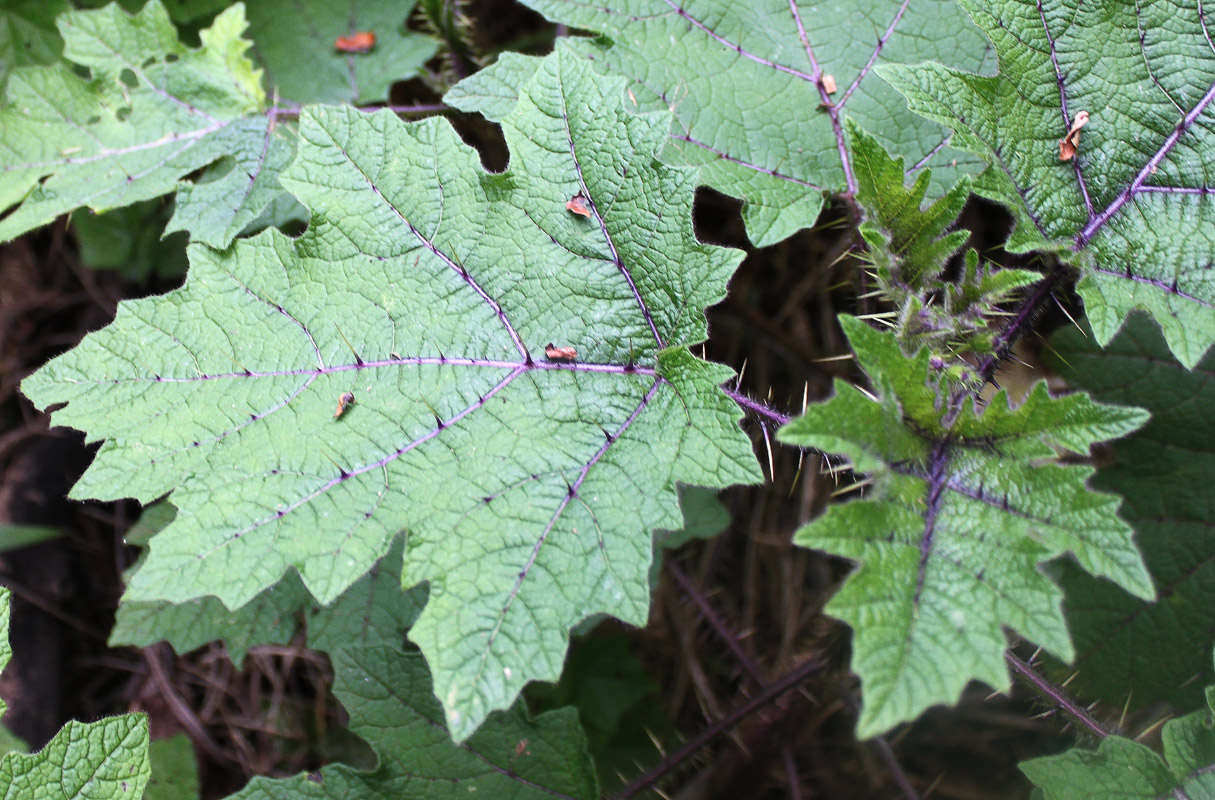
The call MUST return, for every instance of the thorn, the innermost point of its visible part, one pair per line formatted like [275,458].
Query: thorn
[1069,316]
[1153,727]
[341,470]
[357,359]
[771,460]
[861,484]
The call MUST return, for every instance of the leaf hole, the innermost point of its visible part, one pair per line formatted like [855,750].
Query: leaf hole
[128,78]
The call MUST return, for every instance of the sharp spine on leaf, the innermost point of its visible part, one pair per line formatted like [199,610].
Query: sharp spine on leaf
[357,358]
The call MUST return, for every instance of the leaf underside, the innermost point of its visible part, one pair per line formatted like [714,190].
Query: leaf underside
[1136,206]
[150,113]
[744,82]
[950,540]
[429,289]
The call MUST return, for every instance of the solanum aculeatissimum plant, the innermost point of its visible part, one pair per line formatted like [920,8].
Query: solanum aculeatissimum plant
[510,354]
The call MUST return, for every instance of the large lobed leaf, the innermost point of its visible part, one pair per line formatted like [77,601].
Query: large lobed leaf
[94,761]
[745,83]
[1129,650]
[1136,205]
[1127,770]
[527,488]
[151,112]
[949,543]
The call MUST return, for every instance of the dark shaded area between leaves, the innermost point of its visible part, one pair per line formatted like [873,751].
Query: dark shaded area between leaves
[732,616]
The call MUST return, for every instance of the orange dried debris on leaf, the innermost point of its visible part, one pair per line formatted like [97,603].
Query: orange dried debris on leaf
[1071,142]
[577,204]
[344,402]
[828,82]
[359,42]
[554,353]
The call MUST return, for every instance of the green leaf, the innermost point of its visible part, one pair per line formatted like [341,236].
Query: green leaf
[389,697]
[28,34]
[1127,770]
[294,41]
[742,79]
[154,519]
[270,618]
[1135,204]
[704,516]
[83,761]
[174,771]
[1149,652]
[375,610]
[428,288]
[950,539]
[151,112]
[132,239]
[618,703]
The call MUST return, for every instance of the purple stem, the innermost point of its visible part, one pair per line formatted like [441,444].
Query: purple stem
[790,680]
[1024,315]
[929,155]
[938,476]
[727,157]
[718,624]
[756,407]
[1056,696]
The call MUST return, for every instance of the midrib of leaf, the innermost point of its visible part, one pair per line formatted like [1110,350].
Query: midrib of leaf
[1136,186]
[814,77]
[937,478]
[601,220]
[451,264]
[119,151]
